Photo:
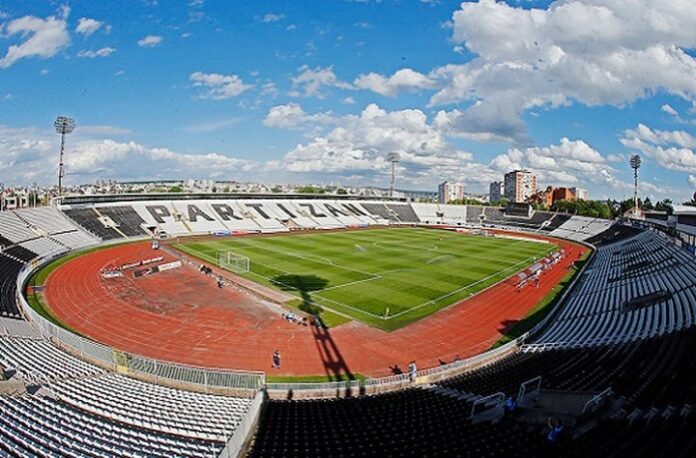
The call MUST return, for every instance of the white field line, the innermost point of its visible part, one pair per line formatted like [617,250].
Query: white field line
[272,280]
[431,301]
[331,263]
[364,280]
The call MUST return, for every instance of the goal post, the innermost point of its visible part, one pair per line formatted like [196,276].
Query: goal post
[233,262]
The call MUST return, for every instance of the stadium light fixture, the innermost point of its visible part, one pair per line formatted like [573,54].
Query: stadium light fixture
[394,159]
[635,165]
[64,126]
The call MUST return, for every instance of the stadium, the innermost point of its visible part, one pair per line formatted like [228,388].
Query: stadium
[348,228]
[147,325]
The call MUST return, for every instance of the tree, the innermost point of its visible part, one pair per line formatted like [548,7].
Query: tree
[591,208]
[647,204]
[176,188]
[310,190]
[341,191]
[665,206]
[692,202]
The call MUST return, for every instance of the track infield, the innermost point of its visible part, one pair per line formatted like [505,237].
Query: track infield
[387,278]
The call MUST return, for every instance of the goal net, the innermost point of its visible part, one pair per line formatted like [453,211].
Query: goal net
[233,262]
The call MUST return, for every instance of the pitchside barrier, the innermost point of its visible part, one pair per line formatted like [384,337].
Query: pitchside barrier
[177,375]
[222,381]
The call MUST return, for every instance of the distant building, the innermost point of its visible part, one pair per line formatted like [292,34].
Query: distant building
[496,191]
[580,193]
[544,197]
[562,194]
[447,192]
[520,185]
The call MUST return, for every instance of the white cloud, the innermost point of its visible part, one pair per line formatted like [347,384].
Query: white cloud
[103,52]
[595,52]
[292,115]
[310,81]
[29,154]
[212,126]
[87,26]
[672,150]
[568,163]
[272,17]
[150,41]
[669,110]
[42,38]
[348,101]
[485,122]
[692,180]
[361,142]
[218,86]
[404,79]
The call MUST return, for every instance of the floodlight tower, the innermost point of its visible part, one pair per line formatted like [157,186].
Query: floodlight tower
[394,159]
[635,165]
[64,126]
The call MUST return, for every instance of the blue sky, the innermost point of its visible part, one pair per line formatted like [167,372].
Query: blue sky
[322,91]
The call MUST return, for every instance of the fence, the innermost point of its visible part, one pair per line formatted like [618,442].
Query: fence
[194,378]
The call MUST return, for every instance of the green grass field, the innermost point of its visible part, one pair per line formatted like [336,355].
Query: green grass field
[386,278]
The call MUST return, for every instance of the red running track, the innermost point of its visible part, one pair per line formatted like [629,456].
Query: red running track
[181,316]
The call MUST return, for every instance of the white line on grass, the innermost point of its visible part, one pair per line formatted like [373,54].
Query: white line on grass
[432,301]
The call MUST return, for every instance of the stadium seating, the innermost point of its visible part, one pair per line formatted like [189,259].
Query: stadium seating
[38,361]
[597,312]
[75,239]
[48,219]
[154,407]
[411,423]
[14,229]
[43,246]
[9,269]
[615,233]
[581,228]
[39,426]
[129,222]
[87,218]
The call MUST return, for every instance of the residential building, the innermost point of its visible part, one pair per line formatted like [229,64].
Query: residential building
[520,185]
[448,192]
[496,191]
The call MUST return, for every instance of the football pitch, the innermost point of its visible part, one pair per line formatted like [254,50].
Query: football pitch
[386,278]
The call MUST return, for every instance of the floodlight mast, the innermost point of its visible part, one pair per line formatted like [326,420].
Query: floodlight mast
[64,126]
[635,165]
[394,159]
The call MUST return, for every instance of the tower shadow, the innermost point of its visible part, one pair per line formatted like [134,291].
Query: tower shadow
[335,366]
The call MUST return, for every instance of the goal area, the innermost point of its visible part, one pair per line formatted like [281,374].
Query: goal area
[233,262]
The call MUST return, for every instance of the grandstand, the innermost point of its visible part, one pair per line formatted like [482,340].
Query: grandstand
[613,360]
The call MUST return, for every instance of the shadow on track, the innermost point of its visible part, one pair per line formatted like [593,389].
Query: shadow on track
[335,366]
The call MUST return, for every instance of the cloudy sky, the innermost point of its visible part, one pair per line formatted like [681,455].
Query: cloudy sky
[321,91]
